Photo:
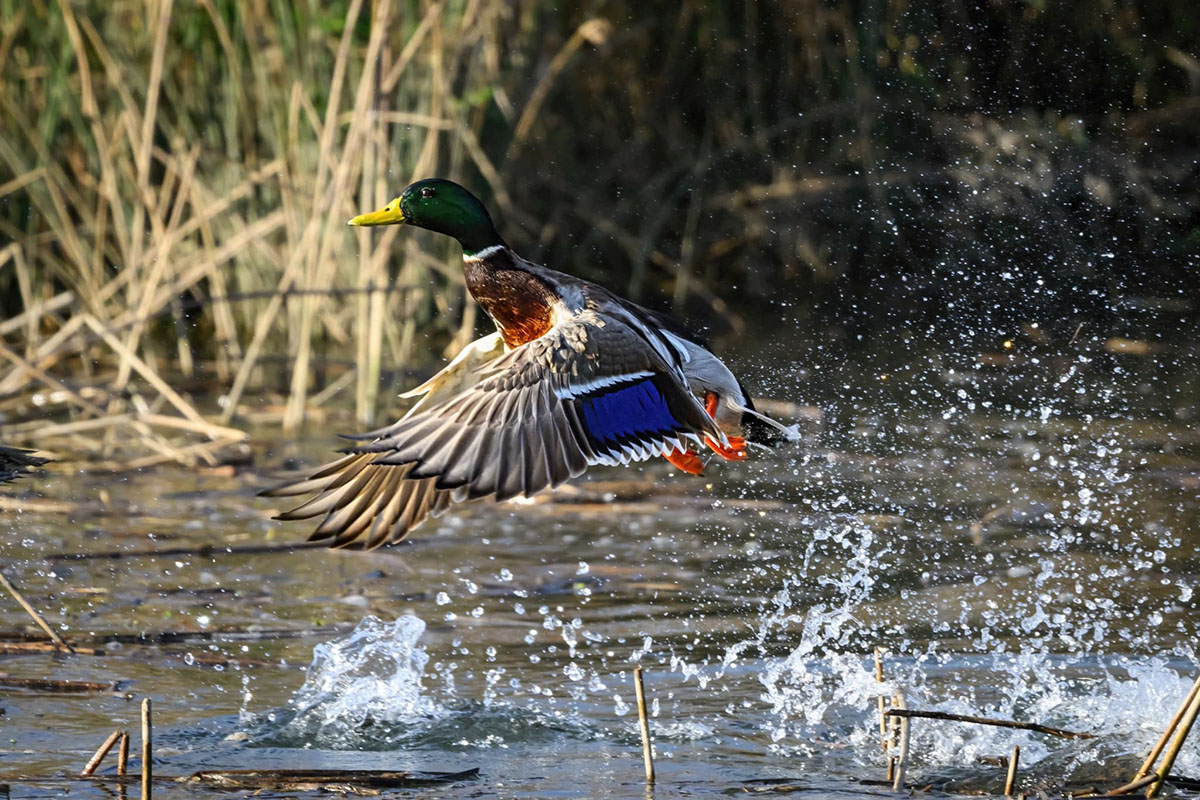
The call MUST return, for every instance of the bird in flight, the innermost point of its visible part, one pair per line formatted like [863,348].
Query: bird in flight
[574,376]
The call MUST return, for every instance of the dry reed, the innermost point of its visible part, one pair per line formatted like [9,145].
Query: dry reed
[159,200]
[95,760]
[1010,777]
[644,725]
[147,751]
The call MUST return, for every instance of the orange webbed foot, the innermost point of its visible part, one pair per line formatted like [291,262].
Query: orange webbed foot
[685,461]
[736,451]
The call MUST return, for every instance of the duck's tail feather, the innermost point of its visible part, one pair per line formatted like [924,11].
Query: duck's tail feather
[761,429]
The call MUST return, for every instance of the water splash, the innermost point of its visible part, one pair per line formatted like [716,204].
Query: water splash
[367,686]
[367,692]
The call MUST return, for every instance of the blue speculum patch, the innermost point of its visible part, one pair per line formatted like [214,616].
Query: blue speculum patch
[629,411]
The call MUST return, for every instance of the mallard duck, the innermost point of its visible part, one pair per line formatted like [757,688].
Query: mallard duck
[574,376]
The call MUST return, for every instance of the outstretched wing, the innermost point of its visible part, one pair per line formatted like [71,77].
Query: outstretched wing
[590,391]
[363,503]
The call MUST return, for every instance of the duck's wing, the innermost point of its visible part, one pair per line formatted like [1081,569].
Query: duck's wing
[368,505]
[590,391]
[14,461]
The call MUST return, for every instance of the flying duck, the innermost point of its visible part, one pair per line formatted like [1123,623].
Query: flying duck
[573,376]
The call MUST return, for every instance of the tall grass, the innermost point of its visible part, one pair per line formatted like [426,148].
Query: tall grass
[181,173]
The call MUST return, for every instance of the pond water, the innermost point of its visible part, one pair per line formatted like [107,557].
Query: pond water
[1022,548]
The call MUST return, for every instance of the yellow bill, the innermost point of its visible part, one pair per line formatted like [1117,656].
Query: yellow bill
[388,215]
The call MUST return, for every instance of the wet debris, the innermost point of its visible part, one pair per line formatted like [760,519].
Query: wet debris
[906,713]
[59,686]
[1147,777]
[341,781]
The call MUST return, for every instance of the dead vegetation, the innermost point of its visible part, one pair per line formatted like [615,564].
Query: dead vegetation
[175,176]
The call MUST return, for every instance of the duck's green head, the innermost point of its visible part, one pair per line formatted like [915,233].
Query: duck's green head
[441,206]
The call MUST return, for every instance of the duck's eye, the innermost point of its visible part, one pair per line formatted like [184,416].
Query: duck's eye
[427,192]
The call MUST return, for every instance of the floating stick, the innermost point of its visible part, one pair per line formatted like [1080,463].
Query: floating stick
[902,761]
[147,749]
[95,760]
[123,753]
[1133,786]
[644,722]
[1011,778]
[58,640]
[1185,727]
[998,723]
[1148,765]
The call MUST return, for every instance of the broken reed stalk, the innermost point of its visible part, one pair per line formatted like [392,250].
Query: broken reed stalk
[147,750]
[1184,728]
[1011,778]
[883,741]
[29,609]
[1133,786]
[997,723]
[893,741]
[644,723]
[123,753]
[95,760]
[1148,765]
[901,761]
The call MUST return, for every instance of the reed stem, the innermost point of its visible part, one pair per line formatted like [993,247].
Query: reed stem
[29,609]
[123,754]
[147,750]
[1184,728]
[1011,778]
[95,760]
[1148,765]
[644,723]
[902,760]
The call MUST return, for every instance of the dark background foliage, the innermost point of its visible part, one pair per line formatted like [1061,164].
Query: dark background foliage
[958,172]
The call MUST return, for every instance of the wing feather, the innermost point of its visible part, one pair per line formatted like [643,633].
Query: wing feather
[504,423]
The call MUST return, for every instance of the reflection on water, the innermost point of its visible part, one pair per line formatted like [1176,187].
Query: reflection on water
[1035,560]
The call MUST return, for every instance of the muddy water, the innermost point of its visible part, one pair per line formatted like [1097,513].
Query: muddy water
[1021,552]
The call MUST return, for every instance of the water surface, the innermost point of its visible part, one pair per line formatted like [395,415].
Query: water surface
[1021,550]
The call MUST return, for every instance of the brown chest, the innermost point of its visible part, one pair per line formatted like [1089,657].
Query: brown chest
[520,304]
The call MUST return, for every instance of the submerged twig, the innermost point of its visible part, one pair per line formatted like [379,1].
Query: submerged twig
[311,780]
[1132,786]
[203,551]
[95,760]
[644,723]
[998,723]
[58,685]
[29,609]
[42,646]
